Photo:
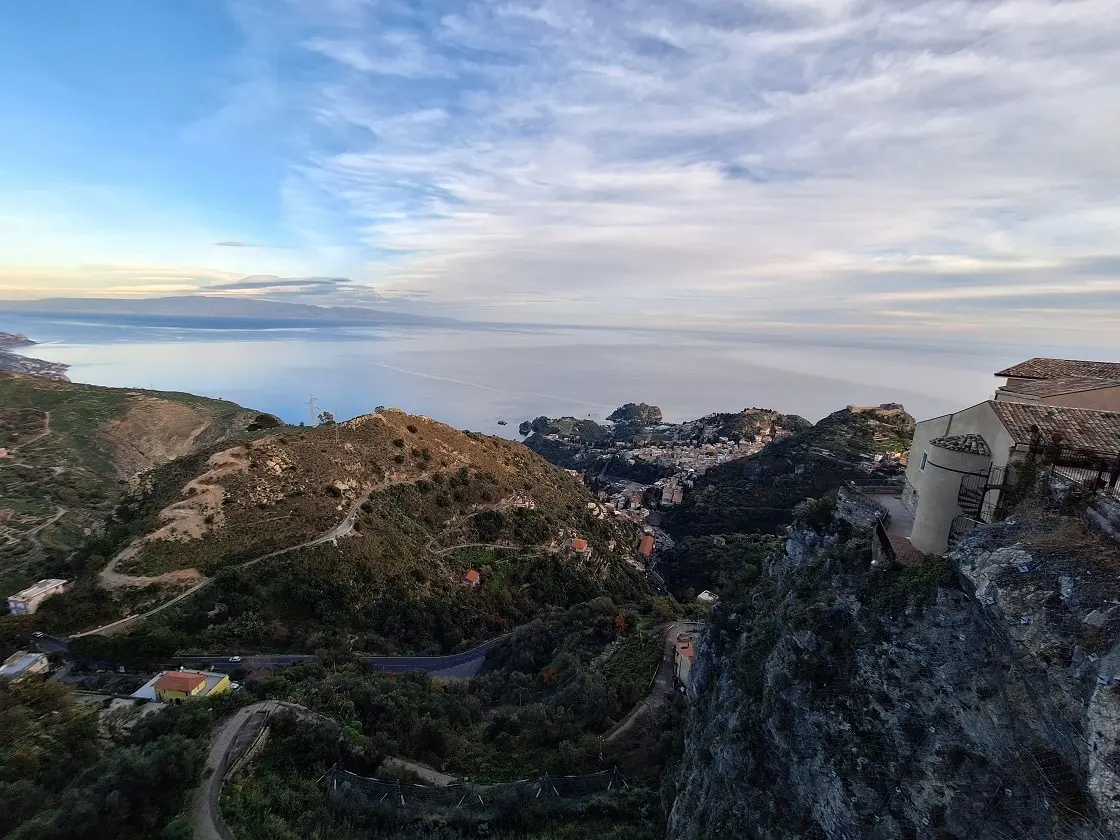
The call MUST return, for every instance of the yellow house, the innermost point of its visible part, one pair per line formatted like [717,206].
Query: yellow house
[177,686]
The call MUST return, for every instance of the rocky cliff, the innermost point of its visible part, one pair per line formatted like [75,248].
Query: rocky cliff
[971,697]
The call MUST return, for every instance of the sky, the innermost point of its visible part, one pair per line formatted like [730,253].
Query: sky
[933,168]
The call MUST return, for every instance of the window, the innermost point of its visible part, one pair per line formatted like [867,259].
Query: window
[922,466]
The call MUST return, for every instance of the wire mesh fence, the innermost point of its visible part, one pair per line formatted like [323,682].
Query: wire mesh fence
[350,786]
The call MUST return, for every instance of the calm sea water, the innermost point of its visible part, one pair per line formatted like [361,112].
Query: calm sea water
[475,376]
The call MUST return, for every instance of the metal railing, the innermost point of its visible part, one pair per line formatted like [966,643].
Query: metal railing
[1094,469]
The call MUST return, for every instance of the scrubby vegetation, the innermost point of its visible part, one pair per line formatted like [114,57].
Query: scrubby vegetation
[758,494]
[72,449]
[547,695]
[68,772]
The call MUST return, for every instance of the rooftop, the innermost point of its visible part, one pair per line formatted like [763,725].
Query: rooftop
[1042,368]
[37,589]
[1058,386]
[180,681]
[19,662]
[1081,428]
[148,689]
[963,443]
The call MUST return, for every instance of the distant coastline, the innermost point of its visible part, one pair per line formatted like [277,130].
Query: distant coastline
[15,363]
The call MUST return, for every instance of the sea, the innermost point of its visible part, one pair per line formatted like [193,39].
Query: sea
[489,378]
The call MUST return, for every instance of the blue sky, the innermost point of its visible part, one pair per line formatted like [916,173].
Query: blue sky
[935,167]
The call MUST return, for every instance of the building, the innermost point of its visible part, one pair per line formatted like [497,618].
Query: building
[960,463]
[646,546]
[23,663]
[27,601]
[707,597]
[579,546]
[471,578]
[683,655]
[178,686]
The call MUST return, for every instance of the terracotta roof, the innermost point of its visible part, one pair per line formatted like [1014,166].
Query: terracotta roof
[1060,385]
[472,576]
[179,681]
[963,443]
[1081,428]
[579,545]
[1040,368]
[647,545]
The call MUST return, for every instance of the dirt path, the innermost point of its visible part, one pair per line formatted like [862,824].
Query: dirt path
[428,774]
[46,431]
[33,534]
[663,681]
[185,518]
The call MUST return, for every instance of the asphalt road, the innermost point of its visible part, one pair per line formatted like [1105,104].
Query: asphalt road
[454,666]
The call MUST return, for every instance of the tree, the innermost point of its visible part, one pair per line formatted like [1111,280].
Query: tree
[326,418]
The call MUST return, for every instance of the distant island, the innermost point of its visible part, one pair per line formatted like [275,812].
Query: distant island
[194,310]
[15,363]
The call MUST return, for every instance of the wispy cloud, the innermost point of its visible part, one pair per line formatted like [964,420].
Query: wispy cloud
[607,156]
[685,161]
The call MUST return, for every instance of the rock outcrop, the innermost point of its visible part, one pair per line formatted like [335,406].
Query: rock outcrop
[971,697]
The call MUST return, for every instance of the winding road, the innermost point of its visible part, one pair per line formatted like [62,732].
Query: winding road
[663,681]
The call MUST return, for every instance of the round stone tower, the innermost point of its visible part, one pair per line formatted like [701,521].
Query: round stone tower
[949,461]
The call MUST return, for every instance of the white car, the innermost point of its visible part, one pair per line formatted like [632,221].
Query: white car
[235,659]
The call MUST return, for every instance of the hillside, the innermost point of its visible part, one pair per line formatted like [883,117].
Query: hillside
[973,696]
[359,535]
[758,493]
[69,451]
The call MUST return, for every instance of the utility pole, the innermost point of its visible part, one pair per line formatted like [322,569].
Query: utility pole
[311,408]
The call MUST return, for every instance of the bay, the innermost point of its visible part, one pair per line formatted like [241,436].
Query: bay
[473,376]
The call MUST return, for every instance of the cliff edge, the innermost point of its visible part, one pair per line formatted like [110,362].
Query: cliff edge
[974,696]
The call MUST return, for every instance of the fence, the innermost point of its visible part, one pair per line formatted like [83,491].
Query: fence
[344,784]
[1093,470]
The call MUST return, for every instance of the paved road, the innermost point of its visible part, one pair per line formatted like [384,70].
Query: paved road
[663,682]
[453,666]
[227,742]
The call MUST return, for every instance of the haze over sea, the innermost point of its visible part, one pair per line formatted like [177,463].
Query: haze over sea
[472,376]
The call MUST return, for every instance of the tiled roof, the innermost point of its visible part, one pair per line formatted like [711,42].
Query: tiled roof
[963,443]
[180,681]
[1081,428]
[1060,368]
[1061,385]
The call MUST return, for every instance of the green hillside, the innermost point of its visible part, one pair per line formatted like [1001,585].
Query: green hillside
[71,450]
[410,505]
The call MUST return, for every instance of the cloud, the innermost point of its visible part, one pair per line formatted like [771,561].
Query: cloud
[851,164]
[604,158]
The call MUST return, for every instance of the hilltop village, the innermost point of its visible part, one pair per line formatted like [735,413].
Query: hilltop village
[640,467]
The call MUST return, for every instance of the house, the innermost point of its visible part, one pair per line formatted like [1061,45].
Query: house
[1068,382]
[471,578]
[579,546]
[646,546]
[27,601]
[683,654]
[707,597]
[961,462]
[178,686]
[23,663]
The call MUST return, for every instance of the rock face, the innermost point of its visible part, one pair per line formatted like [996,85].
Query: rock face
[974,697]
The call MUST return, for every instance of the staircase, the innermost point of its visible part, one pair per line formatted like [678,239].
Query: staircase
[962,526]
[970,497]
